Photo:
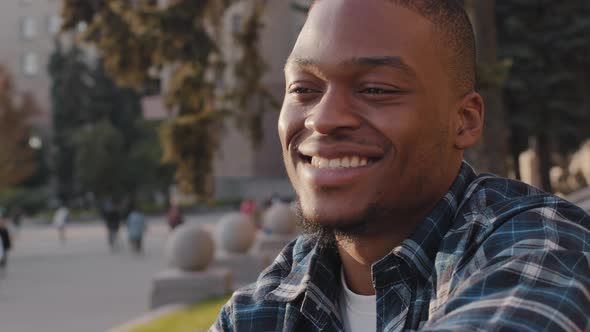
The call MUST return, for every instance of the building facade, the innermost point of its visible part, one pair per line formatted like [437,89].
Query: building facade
[27,32]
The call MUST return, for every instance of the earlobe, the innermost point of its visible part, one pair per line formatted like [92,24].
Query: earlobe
[470,121]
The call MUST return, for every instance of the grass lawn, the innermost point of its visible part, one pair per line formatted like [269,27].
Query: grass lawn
[191,319]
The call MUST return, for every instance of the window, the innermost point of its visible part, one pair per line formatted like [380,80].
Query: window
[28,28]
[31,64]
[53,24]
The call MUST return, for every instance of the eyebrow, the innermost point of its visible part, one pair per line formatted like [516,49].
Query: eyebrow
[394,62]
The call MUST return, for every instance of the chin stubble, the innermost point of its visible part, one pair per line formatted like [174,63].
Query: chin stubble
[325,234]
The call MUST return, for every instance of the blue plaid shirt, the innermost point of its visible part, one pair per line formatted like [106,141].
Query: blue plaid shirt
[493,255]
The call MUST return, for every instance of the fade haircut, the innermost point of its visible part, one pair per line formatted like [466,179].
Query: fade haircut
[454,27]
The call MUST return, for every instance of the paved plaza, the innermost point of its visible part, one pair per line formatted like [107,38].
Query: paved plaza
[79,286]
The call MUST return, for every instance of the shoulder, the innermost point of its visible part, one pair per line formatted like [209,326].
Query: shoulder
[504,218]
[515,253]
[496,201]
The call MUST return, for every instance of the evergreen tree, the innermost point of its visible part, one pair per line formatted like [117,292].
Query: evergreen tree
[99,134]
[100,159]
[112,153]
[70,79]
[546,92]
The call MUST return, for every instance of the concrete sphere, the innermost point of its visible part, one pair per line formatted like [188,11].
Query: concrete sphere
[235,233]
[190,248]
[280,219]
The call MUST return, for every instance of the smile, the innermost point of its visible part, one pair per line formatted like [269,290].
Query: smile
[335,163]
[340,170]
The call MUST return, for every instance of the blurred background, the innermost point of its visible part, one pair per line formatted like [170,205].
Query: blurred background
[162,106]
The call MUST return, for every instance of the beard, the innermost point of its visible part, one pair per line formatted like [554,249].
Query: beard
[328,235]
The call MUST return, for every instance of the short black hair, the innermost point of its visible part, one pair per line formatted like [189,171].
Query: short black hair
[451,20]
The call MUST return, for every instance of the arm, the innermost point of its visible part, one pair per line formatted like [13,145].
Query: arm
[543,291]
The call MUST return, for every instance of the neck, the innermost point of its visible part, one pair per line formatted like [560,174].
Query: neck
[360,253]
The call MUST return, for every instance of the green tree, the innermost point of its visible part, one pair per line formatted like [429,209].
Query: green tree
[144,166]
[117,153]
[547,88]
[70,80]
[121,106]
[99,160]
[102,142]
[139,39]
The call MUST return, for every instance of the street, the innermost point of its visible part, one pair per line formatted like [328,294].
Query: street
[79,286]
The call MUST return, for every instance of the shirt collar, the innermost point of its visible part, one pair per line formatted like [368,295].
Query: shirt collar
[419,250]
[320,266]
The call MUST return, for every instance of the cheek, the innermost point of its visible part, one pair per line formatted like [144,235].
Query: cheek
[414,133]
[283,126]
[291,123]
[399,125]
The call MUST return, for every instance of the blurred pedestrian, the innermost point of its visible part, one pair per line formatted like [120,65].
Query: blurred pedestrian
[112,218]
[136,228]
[248,207]
[6,243]
[175,216]
[17,215]
[60,221]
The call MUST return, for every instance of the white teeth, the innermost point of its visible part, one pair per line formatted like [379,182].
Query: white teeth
[345,162]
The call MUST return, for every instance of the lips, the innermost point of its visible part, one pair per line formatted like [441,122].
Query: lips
[337,165]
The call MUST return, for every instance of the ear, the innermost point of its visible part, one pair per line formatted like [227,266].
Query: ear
[470,120]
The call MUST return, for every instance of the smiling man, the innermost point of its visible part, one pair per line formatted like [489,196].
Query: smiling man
[400,233]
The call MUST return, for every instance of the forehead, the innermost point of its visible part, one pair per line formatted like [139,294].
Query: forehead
[339,30]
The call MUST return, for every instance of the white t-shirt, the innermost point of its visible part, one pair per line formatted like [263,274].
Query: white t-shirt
[359,312]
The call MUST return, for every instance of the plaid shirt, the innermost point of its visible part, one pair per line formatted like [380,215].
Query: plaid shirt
[493,255]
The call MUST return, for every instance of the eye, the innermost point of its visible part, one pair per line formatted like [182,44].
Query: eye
[378,91]
[301,90]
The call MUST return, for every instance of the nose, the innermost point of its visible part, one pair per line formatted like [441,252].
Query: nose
[333,113]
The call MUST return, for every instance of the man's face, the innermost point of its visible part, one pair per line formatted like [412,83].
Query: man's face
[366,121]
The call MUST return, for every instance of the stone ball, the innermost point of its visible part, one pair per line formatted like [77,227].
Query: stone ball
[235,233]
[190,248]
[280,219]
